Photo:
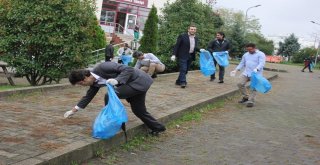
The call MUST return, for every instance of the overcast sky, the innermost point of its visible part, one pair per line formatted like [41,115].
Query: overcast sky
[281,17]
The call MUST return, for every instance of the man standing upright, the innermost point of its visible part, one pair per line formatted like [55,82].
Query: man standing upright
[109,51]
[220,44]
[252,61]
[185,50]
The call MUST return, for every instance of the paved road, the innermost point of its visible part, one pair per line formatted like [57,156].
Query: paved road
[32,126]
[283,128]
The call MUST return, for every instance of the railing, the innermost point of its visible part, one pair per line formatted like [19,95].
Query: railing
[117,28]
[98,55]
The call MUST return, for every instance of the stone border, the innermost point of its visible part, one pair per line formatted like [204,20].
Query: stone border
[83,150]
[24,90]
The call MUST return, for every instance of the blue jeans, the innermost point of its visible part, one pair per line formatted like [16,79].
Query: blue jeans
[184,65]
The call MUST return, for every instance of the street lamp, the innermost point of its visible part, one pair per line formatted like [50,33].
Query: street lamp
[245,21]
[315,60]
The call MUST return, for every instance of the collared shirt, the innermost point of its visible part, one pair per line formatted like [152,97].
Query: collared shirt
[192,43]
[148,58]
[99,80]
[251,62]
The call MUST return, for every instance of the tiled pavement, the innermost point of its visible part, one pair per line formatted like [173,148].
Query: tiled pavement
[33,130]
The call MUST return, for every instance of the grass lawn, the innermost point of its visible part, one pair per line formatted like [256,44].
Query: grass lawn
[6,87]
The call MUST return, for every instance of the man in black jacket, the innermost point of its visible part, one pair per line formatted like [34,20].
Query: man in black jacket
[109,51]
[185,50]
[131,84]
[220,44]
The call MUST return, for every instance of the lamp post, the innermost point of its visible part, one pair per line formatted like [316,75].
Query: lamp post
[246,17]
[315,60]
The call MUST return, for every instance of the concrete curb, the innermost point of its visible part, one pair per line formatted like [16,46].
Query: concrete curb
[83,150]
[24,90]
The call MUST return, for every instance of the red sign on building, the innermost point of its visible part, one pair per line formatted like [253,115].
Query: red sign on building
[143,3]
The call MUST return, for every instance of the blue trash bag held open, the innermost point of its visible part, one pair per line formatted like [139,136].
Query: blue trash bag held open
[126,59]
[312,65]
[111,117]
[259,83]
[222,58]
[207,67]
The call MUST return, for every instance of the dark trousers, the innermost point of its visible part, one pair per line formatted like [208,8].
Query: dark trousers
[138,106]
[184,66]
[307,66]
[107,58]
[221,71]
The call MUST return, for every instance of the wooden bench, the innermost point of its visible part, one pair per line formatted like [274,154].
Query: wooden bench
[6,73]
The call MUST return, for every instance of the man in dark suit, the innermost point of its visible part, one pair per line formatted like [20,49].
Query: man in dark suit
[131,84]
[109,50]
[185,50]
[220,44]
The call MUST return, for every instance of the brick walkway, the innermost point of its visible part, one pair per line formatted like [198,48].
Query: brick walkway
[33,130]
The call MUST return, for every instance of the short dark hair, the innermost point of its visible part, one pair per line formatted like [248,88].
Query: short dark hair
[192,25]
[126,45]
[78,75]
[221,33]
[136,54]
[251,45]
[111,42]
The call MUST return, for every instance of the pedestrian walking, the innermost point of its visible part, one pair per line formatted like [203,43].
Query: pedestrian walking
[136,33]
[149,63]
[130,83]
[109,51]
[219,44]
[252,61]
[185,51]
[308,61]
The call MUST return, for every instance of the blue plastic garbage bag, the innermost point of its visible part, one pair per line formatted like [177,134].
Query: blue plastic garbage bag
[259,83]
[311,65]
[207,67]
[126,59]
[222,58]
[111,117]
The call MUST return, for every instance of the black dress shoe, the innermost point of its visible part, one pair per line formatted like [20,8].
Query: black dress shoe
[243,100]
[157,132]
[250,105]
[183,85]
[220,82]
[154,75]
[212,79]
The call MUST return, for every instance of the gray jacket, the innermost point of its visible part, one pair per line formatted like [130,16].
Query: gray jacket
[125,75]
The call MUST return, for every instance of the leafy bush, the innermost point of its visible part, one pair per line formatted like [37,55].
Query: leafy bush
[43,40]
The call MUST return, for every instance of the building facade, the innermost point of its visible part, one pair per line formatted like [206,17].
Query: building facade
[122,15]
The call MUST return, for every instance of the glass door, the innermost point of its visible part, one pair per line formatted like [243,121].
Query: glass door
[130,23]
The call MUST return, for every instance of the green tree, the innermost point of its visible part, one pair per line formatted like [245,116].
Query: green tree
[262,43]
[237,41]
[289,47]
[231,17]
[149,39]
[43,40]
[176,19]
[302,54]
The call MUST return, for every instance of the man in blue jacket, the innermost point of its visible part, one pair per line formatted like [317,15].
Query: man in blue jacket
[185,50]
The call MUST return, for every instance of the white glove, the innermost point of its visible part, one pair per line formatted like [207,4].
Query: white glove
[173,58]
[202,50]
[68,114]
[112,81]
[255,70]
[233,73]
[227,52]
